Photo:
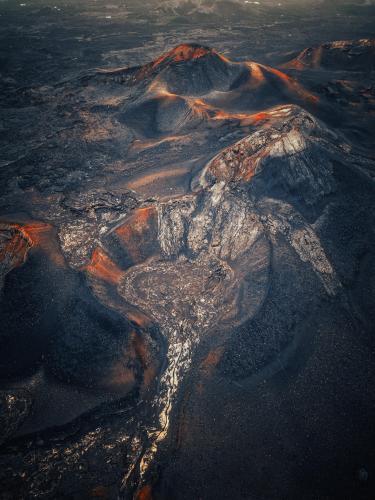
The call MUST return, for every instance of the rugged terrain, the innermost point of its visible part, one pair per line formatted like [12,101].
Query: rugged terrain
[187,278]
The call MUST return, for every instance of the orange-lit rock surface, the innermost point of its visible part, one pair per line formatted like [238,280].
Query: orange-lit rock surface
[14,246]
[17,239]
[182,53]
[138,234]
[102,267]
[144,493]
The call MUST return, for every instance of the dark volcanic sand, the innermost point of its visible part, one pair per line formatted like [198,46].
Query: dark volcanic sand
[186,251]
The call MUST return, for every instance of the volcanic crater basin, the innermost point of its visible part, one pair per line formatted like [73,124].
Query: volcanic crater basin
[202,262]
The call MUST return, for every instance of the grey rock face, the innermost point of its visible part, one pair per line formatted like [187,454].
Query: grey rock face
[292,156]
[92,213]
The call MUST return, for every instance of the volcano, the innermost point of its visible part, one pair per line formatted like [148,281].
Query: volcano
[341,55]
[191,84]
[186,261]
